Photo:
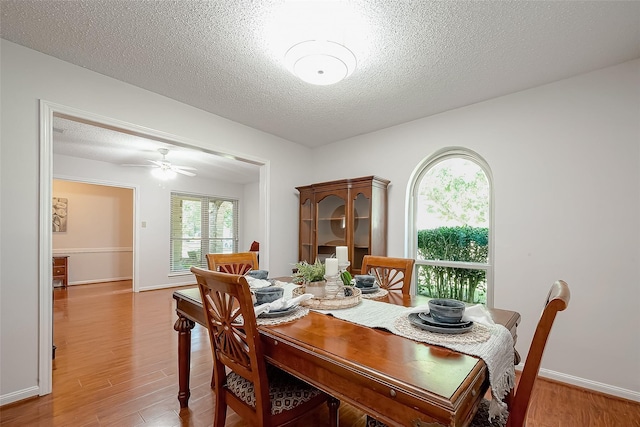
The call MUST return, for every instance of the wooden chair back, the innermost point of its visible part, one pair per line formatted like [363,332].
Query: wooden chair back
[392,274]
[557,300]
[237,263]
[235,340]
[237,350]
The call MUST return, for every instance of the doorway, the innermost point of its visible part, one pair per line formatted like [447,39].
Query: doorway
[98,232]
[48,113]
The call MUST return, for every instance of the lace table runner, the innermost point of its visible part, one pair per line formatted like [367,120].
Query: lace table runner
[492,343]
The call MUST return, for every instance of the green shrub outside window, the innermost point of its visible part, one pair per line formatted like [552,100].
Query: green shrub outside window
[459,244]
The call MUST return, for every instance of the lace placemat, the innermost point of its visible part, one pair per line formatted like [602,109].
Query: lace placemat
[478,333]
[380,293]
[298,313]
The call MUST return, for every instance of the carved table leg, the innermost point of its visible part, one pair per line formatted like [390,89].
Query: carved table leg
[184,326]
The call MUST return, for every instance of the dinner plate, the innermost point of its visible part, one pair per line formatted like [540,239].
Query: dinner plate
[369,290]
[279,313]
[426,317]
[415,320]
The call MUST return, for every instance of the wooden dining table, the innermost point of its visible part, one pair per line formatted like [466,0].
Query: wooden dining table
[396,380]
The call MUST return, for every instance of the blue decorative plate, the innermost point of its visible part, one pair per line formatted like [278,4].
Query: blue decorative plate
[278,313]
[426,317]
[458,328]
[370,290]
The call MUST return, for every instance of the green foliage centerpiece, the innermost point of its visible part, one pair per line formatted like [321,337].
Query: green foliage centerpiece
[307,273]
[312,276]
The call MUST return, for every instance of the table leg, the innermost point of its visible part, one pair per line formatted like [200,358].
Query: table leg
[334,405]
[184,326]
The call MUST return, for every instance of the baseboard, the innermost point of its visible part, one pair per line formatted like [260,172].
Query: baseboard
[110,279]
[168,285]
[5,399]
[587,384]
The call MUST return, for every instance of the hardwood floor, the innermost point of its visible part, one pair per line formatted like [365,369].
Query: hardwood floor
[116,365]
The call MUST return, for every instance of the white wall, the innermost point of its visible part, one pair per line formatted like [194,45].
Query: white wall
[565,159]
[26,77]
[99,234]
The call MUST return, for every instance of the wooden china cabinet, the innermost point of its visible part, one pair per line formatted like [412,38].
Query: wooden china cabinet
[349,212]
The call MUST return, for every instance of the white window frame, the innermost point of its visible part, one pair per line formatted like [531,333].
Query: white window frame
[411,231]
[205,239]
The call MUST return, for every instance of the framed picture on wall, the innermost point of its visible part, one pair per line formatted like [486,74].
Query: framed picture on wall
[59,214]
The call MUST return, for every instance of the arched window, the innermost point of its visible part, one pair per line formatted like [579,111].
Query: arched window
[450,226]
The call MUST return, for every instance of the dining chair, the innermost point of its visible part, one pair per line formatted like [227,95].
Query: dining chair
[390,273]
[236,263]
[258,392]
[518,403]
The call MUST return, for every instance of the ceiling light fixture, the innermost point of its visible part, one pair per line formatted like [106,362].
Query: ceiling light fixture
[320,62]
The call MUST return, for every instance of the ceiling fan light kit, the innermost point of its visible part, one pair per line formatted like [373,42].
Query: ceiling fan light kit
[163,173]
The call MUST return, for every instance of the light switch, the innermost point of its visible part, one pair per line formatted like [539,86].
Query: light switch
[144,224]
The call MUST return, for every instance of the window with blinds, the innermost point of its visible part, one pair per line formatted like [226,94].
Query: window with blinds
[201,225]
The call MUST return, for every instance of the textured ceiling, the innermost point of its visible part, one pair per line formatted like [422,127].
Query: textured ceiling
[415,58]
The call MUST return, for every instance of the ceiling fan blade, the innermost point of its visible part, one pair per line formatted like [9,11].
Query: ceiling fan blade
[186,168]
[183,172]
[155,162]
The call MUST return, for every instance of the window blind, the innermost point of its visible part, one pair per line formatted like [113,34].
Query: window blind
[201,225]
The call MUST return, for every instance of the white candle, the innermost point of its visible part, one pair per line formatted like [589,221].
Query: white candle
[341,254]
[331,266]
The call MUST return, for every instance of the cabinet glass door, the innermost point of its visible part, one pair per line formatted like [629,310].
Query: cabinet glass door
[306,232]
[332,226]
[361,230]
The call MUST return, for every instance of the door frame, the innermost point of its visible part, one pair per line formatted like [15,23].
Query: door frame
[47,112]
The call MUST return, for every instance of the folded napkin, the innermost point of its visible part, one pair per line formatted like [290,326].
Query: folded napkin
[257,283]
[476,313]
[281,304]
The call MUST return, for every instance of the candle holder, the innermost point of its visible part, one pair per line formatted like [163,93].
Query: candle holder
[333,288]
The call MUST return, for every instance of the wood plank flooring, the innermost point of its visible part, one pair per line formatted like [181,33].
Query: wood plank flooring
[116,365]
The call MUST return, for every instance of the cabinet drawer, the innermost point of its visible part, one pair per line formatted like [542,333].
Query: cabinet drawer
[59,271]
[59,262]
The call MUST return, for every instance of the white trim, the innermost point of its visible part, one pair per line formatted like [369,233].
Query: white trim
[89,250]
[107,279]
[45,333]
[587,384]
[169,285]
[264,212]
[47,111]
[26,393]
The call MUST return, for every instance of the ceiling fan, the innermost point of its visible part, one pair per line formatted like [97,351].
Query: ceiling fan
[163,169]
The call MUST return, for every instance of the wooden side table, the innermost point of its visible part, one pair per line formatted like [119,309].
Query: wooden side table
[61,269]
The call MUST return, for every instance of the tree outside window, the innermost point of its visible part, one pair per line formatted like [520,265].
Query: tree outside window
[452,222]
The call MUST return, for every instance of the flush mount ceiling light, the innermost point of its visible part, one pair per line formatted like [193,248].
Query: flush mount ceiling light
[320,62]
